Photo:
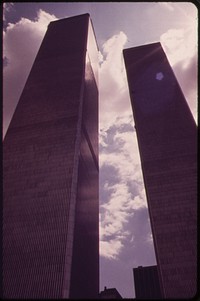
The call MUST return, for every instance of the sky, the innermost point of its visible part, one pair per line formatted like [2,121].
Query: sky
[125,231]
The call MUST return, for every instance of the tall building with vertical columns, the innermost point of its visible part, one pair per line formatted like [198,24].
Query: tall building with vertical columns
[146,283]
[50,171]
[167,139]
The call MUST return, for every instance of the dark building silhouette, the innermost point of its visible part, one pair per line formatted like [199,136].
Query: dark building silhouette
[167,138]
[110,293]
[50,171]
[146,282]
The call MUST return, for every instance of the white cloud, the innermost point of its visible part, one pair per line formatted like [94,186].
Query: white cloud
[126,194]
[113,218]
[21,42]
[122,152]
[119,153]
[7,8]
[180,43]
[115,214]
[110,249]
[180,46]
[114,97]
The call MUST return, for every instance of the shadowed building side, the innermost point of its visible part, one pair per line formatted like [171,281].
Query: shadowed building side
[146,283]
[50,171]
[167,139]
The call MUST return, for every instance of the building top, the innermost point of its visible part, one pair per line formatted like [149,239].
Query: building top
[69,18]
[110,293]
[76,17]
[146,267]
[139,47]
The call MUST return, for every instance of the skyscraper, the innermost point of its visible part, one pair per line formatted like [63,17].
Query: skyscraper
[167,139]
[50,171]
[147,285]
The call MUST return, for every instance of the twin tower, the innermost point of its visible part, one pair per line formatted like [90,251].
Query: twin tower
[50,169]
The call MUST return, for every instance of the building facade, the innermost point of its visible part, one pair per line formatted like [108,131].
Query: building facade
[146,281]
[167,139]
[50,171]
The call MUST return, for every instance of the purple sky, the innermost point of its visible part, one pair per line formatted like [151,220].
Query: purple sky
[125,234]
